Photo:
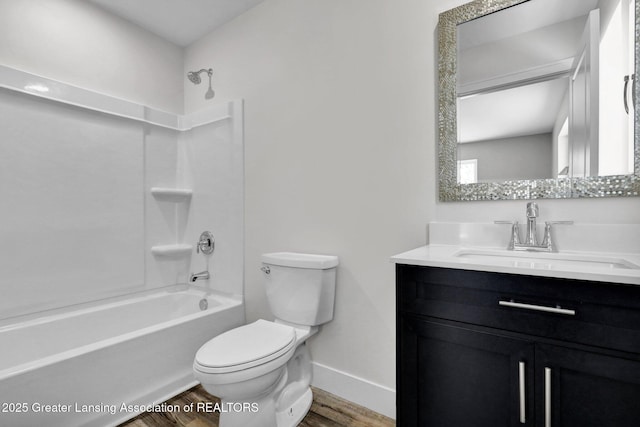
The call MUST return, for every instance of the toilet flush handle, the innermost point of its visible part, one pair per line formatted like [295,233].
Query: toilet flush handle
[266,269]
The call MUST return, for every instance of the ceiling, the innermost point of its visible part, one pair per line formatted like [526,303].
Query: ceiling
[524,110]
[180,21]
[520,19]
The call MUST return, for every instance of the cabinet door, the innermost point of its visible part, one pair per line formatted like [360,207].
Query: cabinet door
[452,376]
[577,388]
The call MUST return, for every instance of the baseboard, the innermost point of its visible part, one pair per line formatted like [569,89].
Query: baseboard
[357,390]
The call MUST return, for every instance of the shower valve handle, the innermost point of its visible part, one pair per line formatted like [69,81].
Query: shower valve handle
[206,244]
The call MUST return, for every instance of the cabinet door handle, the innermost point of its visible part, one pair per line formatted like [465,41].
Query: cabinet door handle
[557,310]
[547,397]
[521,383]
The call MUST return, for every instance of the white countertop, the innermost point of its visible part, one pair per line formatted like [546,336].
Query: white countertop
[607,267]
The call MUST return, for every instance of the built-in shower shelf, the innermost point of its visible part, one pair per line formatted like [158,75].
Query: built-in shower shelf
[171,194]
[172,251]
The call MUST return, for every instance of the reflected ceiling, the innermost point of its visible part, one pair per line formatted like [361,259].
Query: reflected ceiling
[524,110]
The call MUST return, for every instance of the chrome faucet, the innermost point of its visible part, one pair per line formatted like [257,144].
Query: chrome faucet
[203,275]
[531,241]
[206,245]
[532,214]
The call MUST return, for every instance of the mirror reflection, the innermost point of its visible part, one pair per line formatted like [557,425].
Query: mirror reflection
[544,90]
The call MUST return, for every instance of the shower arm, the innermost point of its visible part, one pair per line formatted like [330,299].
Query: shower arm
[194,77]
[204,70]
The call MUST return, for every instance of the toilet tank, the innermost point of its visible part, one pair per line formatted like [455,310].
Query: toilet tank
[300,287]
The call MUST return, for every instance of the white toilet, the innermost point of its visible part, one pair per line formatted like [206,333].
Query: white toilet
[262,371]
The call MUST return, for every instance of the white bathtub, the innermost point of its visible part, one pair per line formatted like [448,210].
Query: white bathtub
[92,364]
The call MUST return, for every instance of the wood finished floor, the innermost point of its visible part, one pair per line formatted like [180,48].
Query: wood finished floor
[327,410]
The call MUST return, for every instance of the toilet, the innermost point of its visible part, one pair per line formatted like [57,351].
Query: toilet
[262,371]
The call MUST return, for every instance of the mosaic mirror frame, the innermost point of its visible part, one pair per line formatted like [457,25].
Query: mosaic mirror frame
[554,188]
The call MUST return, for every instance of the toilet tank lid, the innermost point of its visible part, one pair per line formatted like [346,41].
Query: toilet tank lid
[292,259]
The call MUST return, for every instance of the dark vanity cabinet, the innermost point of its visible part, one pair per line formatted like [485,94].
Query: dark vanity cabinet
[482,349]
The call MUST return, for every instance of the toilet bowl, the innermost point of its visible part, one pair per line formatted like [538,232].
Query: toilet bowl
[262,371]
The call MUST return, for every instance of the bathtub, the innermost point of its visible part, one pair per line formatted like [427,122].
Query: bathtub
[101,364]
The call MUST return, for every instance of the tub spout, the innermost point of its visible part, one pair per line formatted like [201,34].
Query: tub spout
[203,275]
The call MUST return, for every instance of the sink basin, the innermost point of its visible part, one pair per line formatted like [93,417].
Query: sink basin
[544,260]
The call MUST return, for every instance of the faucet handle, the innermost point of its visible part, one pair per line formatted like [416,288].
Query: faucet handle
[206,243]
[547,241]
[515,233]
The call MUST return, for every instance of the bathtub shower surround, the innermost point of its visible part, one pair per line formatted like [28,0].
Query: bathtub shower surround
[103,204]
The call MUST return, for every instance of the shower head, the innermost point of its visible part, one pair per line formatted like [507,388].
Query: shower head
[194,76]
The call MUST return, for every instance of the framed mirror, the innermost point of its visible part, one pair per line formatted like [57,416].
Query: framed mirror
[537,99]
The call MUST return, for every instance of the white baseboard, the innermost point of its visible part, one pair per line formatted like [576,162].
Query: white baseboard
[365,393]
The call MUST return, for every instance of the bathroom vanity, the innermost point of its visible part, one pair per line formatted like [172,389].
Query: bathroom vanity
[490,337]
[509,343]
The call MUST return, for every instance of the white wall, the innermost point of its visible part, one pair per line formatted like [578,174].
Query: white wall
[75,42]
[88,226]
[162,218]
[526,51]
[614,126]
[521,157]
[210,161]
[339,107]
[340,154]
[72,224]
[206,159]
[80,222]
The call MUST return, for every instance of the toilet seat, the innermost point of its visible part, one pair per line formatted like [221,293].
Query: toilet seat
[245,347]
